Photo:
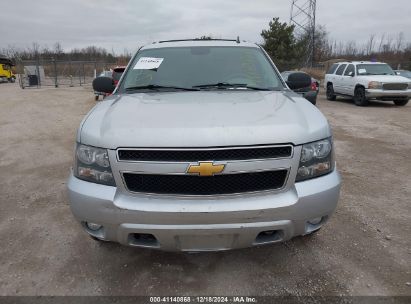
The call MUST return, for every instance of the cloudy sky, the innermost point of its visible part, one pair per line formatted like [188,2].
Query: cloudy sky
[120,24]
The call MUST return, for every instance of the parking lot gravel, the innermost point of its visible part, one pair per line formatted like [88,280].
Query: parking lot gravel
[365,249]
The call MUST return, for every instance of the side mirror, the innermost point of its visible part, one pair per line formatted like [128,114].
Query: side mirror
[351,74]
[103,85]
[298,80]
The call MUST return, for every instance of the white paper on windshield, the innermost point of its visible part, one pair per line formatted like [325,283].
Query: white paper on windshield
[362,71]
[148,63]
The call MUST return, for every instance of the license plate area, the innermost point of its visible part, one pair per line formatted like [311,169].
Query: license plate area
[204,241]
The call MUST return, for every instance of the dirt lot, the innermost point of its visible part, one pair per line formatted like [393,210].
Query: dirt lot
[363,250]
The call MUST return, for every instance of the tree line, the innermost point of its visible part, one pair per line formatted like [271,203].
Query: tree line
[90,53]
[289,49]
[282,43]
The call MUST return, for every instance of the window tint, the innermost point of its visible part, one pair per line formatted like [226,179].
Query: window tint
[349,69]
[341,69]
[332,69]
[193,66]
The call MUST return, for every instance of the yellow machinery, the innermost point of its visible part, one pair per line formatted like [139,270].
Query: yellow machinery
[6,72]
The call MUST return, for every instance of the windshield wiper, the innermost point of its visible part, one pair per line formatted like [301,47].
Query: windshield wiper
[226,85]
[158,87]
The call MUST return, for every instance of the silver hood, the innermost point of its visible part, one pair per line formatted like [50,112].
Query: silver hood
[203,119]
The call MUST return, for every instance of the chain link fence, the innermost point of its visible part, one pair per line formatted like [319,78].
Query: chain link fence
[39,73]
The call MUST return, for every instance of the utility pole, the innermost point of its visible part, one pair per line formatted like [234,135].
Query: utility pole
[302,16]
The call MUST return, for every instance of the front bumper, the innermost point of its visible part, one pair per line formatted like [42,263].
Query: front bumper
[387,94]
[203,224]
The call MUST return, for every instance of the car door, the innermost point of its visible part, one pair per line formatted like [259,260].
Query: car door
[338,79]
[348,80]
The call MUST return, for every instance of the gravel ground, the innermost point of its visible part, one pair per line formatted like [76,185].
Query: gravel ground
[363,250]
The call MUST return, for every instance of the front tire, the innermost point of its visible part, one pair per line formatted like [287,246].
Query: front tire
[360,99]
[401,103]
[330,92]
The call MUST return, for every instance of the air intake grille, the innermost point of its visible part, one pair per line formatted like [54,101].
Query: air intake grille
[395,86]
[205,185]
[205,155]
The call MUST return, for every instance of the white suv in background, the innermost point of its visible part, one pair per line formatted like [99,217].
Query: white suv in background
[366,80]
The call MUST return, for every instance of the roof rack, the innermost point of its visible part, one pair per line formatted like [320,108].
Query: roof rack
[198,39]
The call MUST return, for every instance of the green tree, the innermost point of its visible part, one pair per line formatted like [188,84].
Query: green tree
[281,44]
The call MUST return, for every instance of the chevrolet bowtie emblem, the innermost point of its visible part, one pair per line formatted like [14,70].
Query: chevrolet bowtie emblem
[205,169]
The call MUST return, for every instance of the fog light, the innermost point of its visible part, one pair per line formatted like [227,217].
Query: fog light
[315,221]
[93,226]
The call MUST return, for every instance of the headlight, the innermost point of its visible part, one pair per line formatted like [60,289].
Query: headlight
[92,164]
[375,85]
[317,159]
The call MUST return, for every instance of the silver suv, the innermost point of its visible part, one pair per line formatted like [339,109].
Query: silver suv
[202,146]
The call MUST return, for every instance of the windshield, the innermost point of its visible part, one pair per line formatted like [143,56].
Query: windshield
[374,69]
[202,68]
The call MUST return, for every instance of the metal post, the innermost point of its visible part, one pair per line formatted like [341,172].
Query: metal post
[79,75]
[55,73]
[302,16]
[313,12]
[38,72]
[71,74]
